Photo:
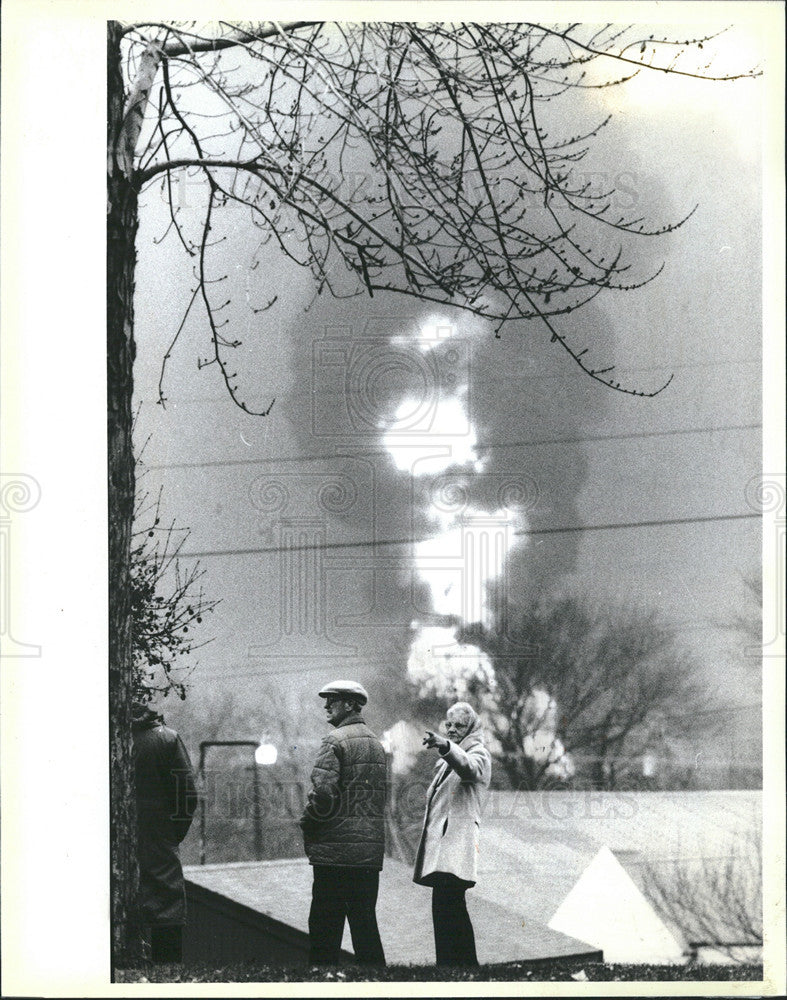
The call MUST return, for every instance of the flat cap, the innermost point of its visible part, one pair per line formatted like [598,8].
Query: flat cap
[346,689]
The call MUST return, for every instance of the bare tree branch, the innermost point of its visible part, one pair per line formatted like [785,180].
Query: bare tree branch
[168,603]
[424,110]
[714,899]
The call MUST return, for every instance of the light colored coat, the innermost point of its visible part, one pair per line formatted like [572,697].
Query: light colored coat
[454,801]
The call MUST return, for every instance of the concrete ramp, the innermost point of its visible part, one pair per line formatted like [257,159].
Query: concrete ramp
[259,910]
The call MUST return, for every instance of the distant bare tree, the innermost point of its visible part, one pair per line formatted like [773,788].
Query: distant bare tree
[576,683]
[746,620]
[716,902]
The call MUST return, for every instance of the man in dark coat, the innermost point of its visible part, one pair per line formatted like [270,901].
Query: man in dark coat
[166,801]
[343,830]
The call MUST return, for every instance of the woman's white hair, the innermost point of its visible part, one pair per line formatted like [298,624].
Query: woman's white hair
[465,708]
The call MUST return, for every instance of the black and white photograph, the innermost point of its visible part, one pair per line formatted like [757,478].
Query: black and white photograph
[403,503]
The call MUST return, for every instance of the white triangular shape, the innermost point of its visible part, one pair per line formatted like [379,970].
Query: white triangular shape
[606,909]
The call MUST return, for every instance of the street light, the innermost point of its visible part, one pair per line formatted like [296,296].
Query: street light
[265,754]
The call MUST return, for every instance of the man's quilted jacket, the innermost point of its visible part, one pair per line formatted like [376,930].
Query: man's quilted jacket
[344,820]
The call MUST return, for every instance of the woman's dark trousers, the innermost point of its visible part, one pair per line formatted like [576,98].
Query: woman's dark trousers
[454,940]
[338,893]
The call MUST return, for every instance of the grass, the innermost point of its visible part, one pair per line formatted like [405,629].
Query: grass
[534,972]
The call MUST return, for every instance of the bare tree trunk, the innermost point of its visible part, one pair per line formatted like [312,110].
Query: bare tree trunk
[121,260]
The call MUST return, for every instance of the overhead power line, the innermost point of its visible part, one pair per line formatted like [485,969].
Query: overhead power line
[621,437]
[638,524]
[386,542]
[407,441]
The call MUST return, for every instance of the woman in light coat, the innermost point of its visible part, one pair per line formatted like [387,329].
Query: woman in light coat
[447,853]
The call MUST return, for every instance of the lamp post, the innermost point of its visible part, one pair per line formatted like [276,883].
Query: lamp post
[264,754]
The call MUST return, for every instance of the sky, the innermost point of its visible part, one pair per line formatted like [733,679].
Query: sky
[382,403]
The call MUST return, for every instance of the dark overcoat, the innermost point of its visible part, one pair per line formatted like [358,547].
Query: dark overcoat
[344,820]
[166,801]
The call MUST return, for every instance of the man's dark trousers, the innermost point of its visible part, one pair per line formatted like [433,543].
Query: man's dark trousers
[341,892]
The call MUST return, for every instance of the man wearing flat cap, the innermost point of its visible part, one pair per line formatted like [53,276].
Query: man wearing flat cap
[344,830]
